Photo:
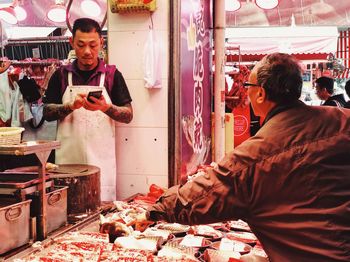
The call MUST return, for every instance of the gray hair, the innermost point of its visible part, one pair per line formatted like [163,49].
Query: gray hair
[281,77]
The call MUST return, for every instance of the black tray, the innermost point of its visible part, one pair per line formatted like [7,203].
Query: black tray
[19,180]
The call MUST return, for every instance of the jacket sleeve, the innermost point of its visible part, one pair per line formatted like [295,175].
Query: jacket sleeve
[216,196]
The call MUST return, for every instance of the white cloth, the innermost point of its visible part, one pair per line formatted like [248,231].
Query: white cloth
[88,137]
[5,97]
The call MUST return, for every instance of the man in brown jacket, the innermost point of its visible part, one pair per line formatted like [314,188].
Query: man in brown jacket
[290,182]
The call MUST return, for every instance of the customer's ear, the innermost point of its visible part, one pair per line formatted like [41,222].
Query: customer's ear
[261,95]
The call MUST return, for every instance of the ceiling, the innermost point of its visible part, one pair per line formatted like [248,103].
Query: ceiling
[300,12]
[37,9]
[305,13]
[38,25]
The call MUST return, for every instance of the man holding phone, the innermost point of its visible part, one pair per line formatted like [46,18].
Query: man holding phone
[86,97]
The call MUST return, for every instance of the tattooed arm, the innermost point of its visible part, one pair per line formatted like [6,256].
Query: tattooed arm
[53,112]
[123,114]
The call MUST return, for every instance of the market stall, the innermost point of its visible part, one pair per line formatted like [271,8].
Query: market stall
[176,143]
[110,239]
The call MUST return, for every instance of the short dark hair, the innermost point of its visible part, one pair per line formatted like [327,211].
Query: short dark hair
[86,25]
[281,77]
[347,88]
[326,82]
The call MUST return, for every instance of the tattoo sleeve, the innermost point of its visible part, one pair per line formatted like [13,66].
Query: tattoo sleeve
[53,112]
[123,114]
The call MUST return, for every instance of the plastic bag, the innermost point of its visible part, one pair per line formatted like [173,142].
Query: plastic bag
[152,62]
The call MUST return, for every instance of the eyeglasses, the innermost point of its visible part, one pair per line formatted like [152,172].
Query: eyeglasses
[247,84]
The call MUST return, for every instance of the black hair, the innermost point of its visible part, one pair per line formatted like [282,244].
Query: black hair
[86,25]
[347,88]
[326,82]
[281,77]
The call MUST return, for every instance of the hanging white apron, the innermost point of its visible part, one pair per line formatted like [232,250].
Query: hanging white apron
[88,137]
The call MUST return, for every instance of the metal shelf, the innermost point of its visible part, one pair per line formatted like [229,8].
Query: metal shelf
[42,150]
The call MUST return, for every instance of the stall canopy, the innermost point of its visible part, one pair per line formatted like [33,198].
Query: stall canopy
[343,50]
[303,12]
[305,42]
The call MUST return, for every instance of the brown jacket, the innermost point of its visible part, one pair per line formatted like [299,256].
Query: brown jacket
[290,182]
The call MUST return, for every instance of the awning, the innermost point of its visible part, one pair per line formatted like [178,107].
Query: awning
[292,40]
[345,74]
[343,50]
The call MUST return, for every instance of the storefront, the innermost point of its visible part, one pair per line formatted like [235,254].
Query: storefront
[172,134]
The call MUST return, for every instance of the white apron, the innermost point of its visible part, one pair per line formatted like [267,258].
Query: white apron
[88,137]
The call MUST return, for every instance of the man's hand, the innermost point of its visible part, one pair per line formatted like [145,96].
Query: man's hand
[78,102]
[98,104]
[140,222]
[53,112]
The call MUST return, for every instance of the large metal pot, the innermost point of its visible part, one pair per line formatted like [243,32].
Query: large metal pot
[84,187]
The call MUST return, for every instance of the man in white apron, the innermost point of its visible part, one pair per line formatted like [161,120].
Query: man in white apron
[86,128]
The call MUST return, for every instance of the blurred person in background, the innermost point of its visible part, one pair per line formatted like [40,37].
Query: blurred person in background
[290,182]
[324,91]
[347,90]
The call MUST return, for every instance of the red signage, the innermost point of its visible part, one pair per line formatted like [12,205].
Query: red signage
[241,124]
[195,85]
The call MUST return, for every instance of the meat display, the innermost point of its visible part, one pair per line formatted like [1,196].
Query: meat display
[174,228]
[156,232]
[226,244]
[245,237]
[121,254]
[212,255]
[145,243]
[239,225]
[160,242]
[206,231]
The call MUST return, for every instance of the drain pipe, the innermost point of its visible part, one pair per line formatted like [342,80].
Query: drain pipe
[219,80]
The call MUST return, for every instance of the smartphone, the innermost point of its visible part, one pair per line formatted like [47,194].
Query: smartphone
[97,94]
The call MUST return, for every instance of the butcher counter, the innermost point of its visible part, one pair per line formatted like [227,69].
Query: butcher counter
[162,242]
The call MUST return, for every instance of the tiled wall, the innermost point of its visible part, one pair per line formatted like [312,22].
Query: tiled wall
[142,145]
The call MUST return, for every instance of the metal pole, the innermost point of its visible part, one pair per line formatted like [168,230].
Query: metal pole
[42,156]
[2,43]
[219,80]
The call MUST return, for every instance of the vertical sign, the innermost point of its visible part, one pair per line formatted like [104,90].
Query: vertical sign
[195,57]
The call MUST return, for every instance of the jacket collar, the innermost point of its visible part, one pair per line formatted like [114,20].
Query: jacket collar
[281,108]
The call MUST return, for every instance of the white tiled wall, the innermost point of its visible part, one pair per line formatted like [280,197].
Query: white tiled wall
[142,145]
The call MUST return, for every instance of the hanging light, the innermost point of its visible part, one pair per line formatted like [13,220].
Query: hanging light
[90,8]
[57,12]
[8,15]
[232,5]
[21,13]
[267,4]
[5,3]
